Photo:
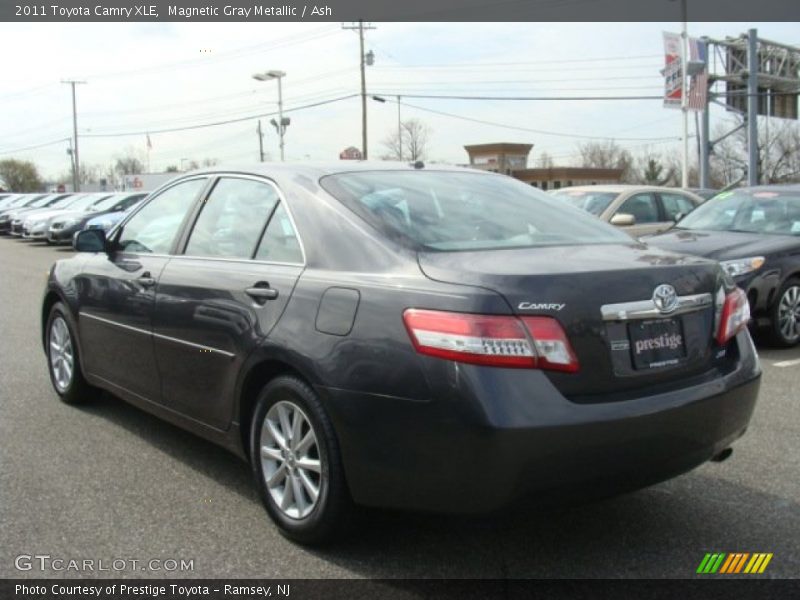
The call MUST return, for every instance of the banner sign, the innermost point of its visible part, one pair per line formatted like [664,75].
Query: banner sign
[673,73]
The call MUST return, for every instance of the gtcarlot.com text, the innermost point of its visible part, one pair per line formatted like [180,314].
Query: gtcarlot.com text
[46,562]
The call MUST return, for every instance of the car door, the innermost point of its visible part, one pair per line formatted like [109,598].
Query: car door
[644,208]
[241,260]
[117,292]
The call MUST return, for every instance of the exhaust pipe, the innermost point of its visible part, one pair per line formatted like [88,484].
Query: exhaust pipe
[723,455]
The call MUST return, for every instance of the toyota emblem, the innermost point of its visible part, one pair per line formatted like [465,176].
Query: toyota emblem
[665,298]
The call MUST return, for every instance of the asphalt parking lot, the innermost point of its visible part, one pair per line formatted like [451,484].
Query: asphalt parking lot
[107,481]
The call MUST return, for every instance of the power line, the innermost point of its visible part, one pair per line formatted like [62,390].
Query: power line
[525,63]
[35,146]
[526,98]
[531,130]
[214,124]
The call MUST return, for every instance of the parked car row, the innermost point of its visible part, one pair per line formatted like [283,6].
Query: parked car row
[55,218]
[754,232]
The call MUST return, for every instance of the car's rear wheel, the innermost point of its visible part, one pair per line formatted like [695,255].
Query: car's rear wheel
[785,321]
[63,360]
[296,462]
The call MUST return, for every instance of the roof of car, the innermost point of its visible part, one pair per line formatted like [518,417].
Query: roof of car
[618,188]
[785,187]
[320,169]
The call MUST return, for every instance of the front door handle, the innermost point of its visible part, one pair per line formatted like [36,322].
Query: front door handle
[261,292]
[146,280]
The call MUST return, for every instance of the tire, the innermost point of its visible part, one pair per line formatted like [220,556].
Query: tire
[785,315]
[63,360]
[289,462]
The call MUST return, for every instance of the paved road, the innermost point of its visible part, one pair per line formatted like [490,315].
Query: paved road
[107,481]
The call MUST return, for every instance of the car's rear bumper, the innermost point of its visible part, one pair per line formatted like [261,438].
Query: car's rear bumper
[490,442]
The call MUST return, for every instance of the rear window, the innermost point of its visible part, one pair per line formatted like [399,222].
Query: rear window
[439,210]
[592,202]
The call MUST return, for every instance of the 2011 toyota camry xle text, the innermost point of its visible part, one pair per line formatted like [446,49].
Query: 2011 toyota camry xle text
[403,336]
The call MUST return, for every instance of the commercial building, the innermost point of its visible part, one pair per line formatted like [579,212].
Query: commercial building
[512,159]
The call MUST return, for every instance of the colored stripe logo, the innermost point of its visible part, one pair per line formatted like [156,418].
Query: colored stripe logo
[734,563]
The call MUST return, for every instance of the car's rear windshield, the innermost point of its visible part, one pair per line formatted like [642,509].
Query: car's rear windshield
[775,212]
[444,210]
[590,201]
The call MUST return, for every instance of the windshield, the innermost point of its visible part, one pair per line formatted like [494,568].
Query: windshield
[590,201]
[103,203]
[81,202]
[40,202]
[761,211]
[441,210]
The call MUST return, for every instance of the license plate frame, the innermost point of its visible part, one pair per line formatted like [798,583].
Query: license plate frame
[656,343]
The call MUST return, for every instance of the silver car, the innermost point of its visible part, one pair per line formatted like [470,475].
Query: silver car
[638,210]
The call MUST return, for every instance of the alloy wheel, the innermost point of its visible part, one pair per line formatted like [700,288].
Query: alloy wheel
[789,314]
[290,460]
[62,355]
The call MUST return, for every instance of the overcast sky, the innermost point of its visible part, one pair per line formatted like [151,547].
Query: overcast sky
[146,77]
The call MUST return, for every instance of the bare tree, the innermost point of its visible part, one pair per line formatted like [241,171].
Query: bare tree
[545,161]
[778,153]
[416,136]
[607,155]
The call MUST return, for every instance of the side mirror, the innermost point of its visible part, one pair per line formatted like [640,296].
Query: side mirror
[90,240]
[623,220]
[679,216]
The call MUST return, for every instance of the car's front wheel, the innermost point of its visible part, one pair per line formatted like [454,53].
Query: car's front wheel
[296,462]
[62,357]
[785,321]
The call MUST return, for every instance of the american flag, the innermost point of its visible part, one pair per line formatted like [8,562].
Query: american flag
[698,84]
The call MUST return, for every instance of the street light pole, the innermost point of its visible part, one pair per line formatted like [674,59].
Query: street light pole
[281,124]
[76,184]
[399,129]
[281,127]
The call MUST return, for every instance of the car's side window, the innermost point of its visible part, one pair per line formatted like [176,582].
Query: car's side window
[675,204]
[232,219]
[280,242]
[642,206]
[154,228]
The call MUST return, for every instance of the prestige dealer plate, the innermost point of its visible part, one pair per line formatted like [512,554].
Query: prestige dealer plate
[657,343]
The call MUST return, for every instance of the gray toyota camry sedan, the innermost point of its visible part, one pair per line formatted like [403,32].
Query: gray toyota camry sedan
[408,336]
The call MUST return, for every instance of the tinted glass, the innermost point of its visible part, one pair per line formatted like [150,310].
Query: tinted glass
[773,212]
[280,242]
[232,219]
[642,206]
[153,229]
[590,201]
[465,211]
[675,204]
[104,203]
[128,202]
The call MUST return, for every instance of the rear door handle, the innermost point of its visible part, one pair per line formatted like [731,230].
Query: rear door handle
[146,280]
[261,292]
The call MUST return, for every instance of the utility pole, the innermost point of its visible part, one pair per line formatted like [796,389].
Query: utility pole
[752,107]
[362,62]
[260,142]
[685,95]
[76,168]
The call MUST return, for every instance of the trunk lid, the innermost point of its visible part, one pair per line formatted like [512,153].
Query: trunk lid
[574,283]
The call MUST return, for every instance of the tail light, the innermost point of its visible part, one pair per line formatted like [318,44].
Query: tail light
[492,340]
[734,316]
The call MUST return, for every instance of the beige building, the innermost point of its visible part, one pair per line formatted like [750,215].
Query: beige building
[512,159]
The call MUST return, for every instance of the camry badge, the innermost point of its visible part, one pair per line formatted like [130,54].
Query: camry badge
[665,298]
